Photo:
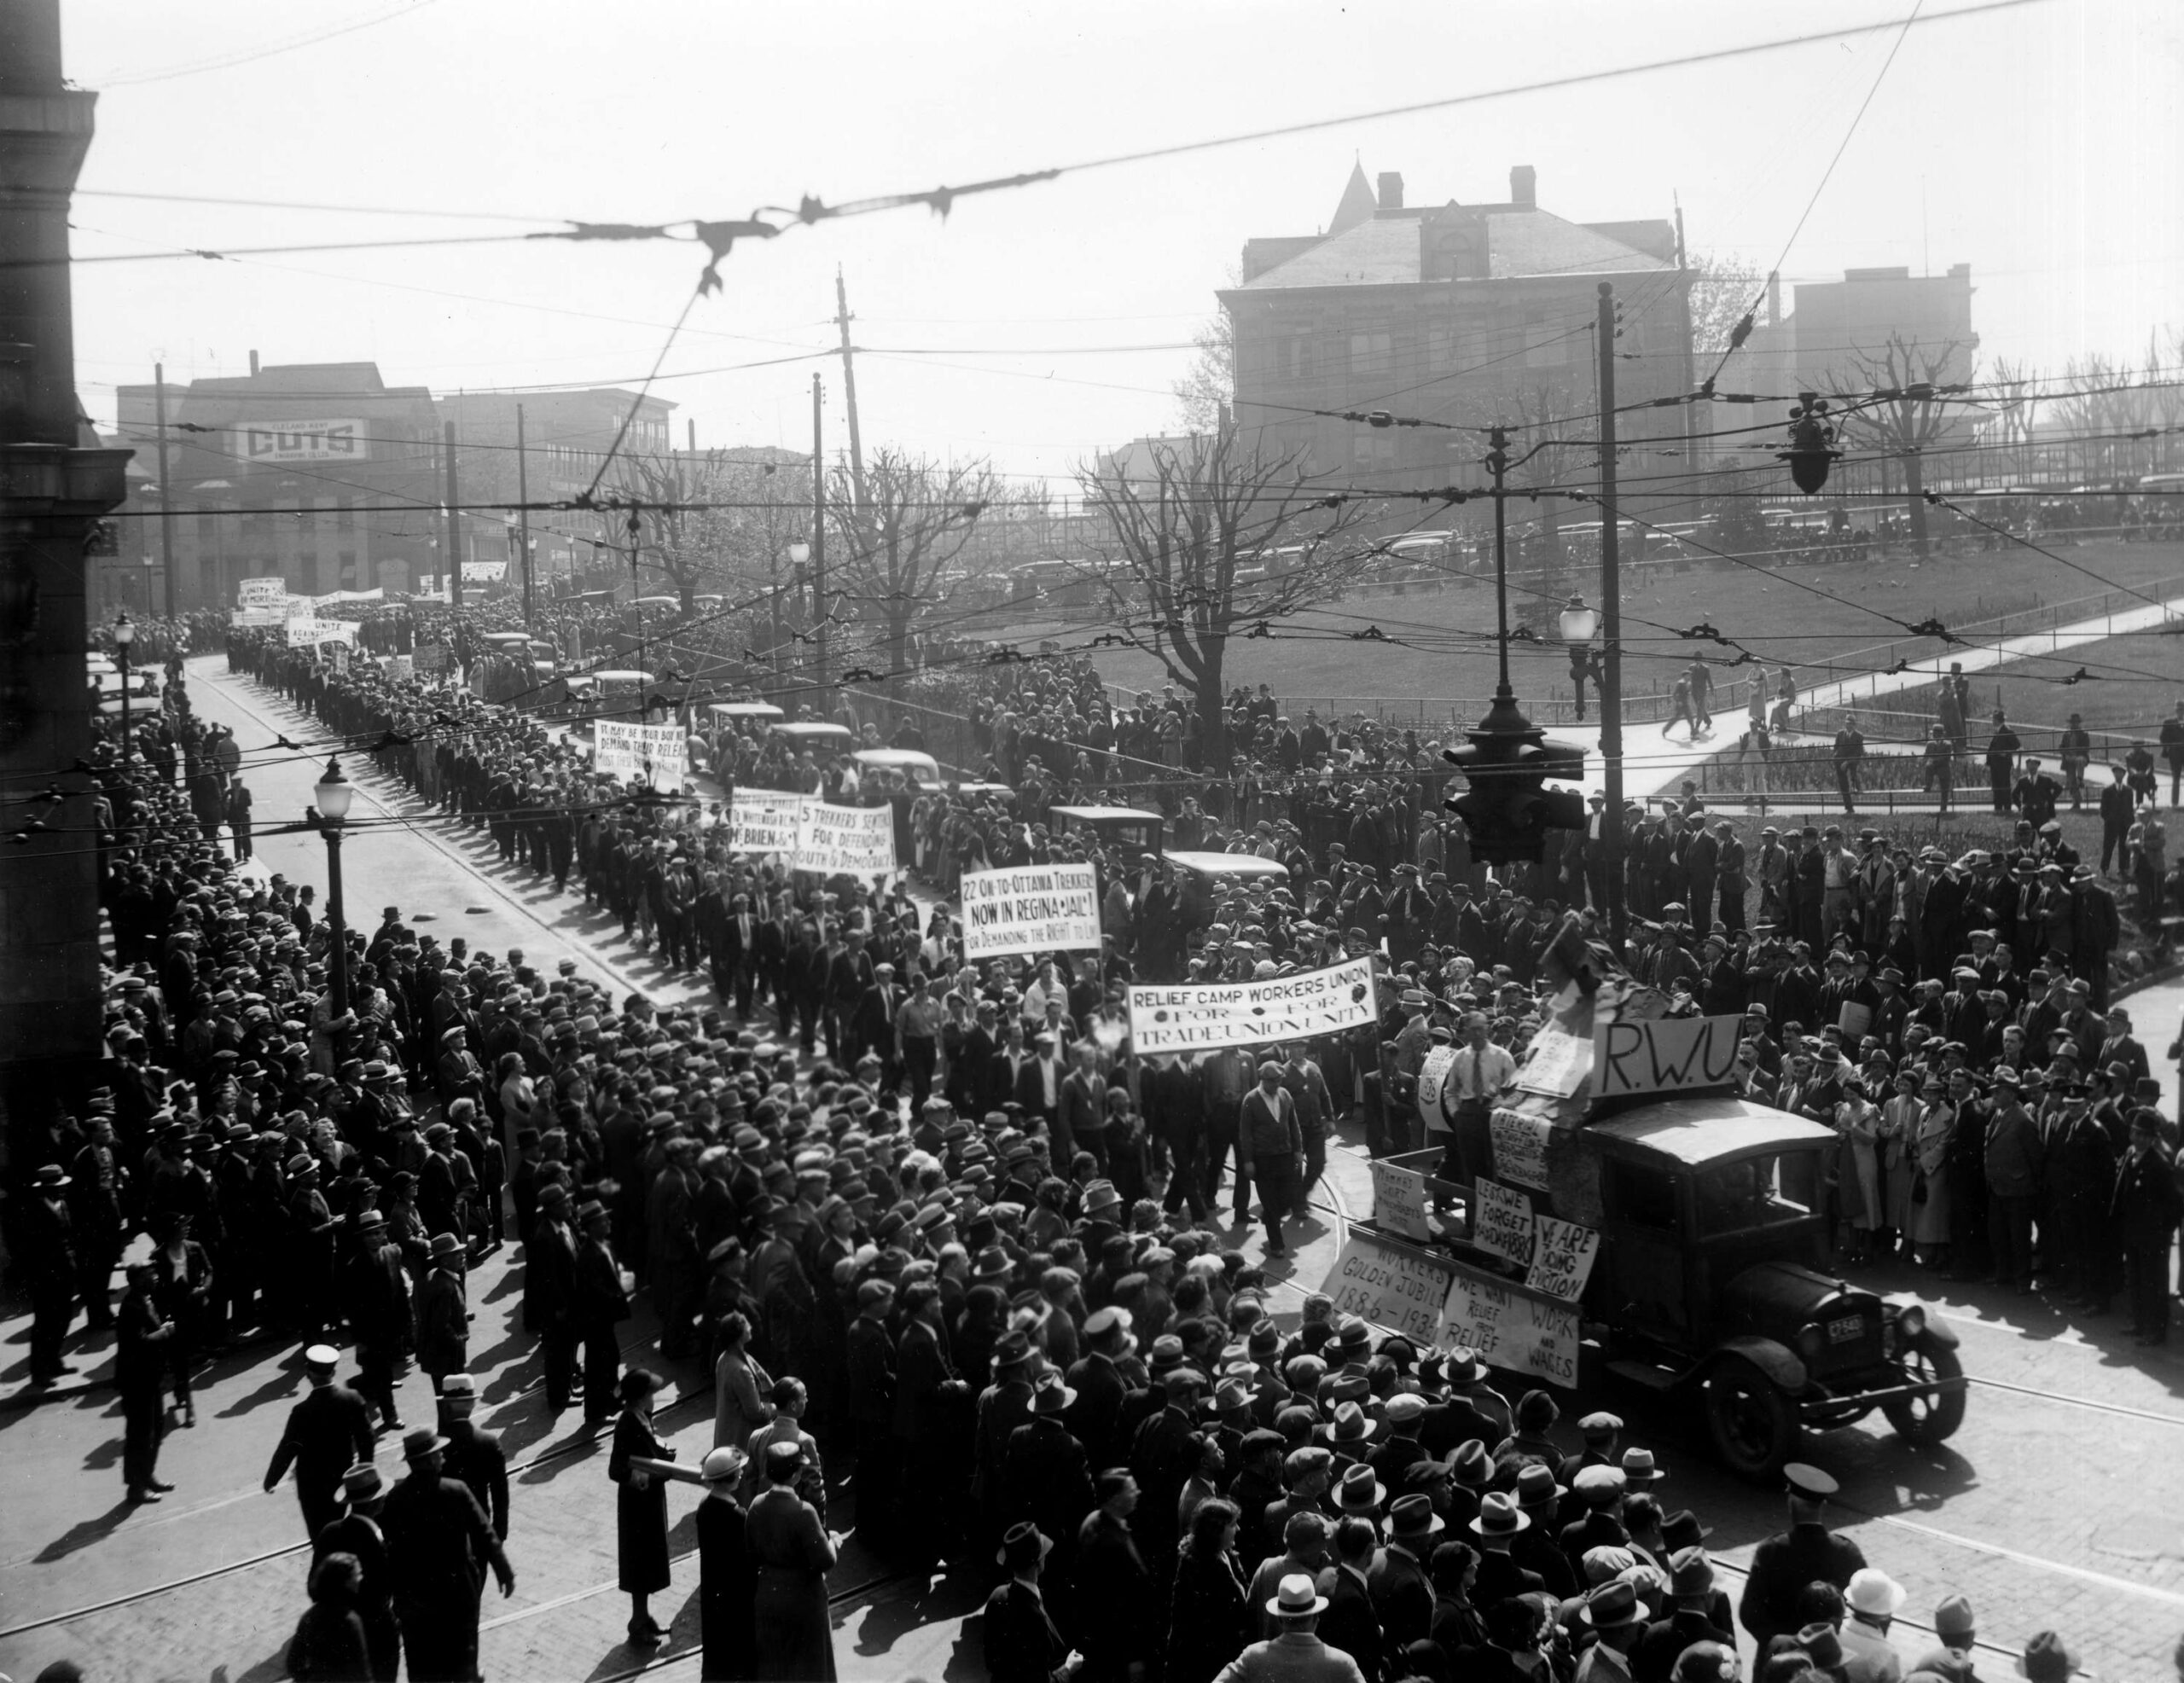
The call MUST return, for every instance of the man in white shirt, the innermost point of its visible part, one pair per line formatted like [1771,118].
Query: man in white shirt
[1480,1071]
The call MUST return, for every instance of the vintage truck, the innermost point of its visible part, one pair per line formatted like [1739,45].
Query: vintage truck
[1674,1240]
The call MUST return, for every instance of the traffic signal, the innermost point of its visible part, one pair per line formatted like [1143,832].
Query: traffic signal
[1506,810]
[1812,438]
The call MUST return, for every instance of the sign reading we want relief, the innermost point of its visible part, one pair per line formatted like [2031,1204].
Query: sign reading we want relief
[1199,1017]
[1031,908]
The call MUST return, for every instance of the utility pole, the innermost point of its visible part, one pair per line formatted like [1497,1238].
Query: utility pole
[166,491]
[523,515]
[1610,680]
[849,390]
[819,537]
[454,555]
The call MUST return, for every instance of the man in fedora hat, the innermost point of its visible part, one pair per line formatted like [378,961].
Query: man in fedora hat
[1400,1586]
[1295,1654]
[473,1455]
[1044,1477]
[1501,1522]
[1022,1642]
[1613,1612]
[359,1533]
[327,1432]
[602,1302]
[1002,1406]
[1789,1560]
[1349,1624]
[1691,1589]
[49,1256]
[1115,1594]
[142,1334]
[380,1315]
[438,1547]
[444,1314]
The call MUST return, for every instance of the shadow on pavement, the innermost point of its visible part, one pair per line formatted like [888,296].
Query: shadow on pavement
[911,1605]
[85,1533]
[273,1665]
[283,1383]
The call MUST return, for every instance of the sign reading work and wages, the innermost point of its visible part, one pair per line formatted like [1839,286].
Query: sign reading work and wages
[1391,1287]
[1666,1055]
[1520,1147]
[1519,1331]
[300,440]
[1504,1225]
[262,593]
[1195,1017]
[1433,1079]
[652,752]
[429,659]
[765,821]
[1399,1199]
[1563,1253]
[853,841]
[1031,908]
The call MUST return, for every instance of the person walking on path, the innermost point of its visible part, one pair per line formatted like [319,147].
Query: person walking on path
[640,1505]
[793,1554]
[328,1432]
[440,1546]
[140,1358]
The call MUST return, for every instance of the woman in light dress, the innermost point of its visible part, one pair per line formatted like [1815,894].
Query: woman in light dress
[1931,1215]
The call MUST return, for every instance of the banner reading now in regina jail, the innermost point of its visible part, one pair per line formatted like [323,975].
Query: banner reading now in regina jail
[1031,908]
[1197,1017]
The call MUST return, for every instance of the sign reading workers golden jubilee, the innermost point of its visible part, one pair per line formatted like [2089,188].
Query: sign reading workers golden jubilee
[276,441]
[1198,1017]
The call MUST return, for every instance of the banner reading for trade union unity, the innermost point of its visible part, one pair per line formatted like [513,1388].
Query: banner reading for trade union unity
[1198,1017]
[1031,908]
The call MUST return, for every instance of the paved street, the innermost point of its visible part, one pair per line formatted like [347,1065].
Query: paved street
[2050,1508]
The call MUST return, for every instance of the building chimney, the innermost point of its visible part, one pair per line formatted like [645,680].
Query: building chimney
[253,364]
[1390,190]
[1773,297]
[1524,186]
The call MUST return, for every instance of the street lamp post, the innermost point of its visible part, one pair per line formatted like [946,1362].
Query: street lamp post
[334,793]
[800,552]
[124,634]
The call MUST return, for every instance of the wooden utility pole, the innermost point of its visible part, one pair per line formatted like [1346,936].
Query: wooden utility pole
[166,491]
[1610,681]
[819,540]
[842,319]
[454,555]
[523,515]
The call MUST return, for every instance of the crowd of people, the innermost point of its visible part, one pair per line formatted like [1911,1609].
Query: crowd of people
[915,1221]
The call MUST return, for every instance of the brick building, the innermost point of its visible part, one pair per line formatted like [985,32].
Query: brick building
[1466,313]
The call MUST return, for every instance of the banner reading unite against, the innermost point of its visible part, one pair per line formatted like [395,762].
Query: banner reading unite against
[620,749]
[855,841]
[1196,1017]
[1031,908]
[765,821]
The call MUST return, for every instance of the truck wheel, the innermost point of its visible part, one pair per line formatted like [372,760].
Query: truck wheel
[1928,1417]
[1753,1425]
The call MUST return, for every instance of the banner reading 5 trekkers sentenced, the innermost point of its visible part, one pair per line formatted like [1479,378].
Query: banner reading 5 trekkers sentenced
[1031,908]
[1194,1017]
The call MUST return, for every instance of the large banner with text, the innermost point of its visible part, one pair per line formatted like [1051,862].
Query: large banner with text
[1031,908]
[653,752]
[1200,1017]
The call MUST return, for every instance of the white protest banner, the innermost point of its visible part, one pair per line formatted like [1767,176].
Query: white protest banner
[258,617]
[1562,1258]
[303,633]
[1666,1055]
[1556,1063]
[429,659]
[854,841]
[1432,1077]
[1520,1147]
[1399,1199]
[1031,908]
[765,821]
[483,572]
[1854,1020]
[401,668]
[1391,1285]
[1504,1224]
[262,593]
[1195,1017]
[652,752]
[1510,1328]
[342,631]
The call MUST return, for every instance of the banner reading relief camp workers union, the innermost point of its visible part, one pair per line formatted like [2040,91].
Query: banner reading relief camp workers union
[855,841]
[1031,908]
[765,821]
[620,749]
[1197,1017]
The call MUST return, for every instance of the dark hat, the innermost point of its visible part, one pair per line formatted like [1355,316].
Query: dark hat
[422,1442]
[1808,1482]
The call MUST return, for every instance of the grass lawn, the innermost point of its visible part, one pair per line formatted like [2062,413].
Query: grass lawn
[1764,608]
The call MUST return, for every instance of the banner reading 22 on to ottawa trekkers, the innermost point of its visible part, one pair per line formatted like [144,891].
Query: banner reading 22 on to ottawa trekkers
[1031,908]
[1194,1016]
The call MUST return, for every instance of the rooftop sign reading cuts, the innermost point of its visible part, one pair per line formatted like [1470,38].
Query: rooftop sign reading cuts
[1028,909]
[1199,1017]
[300,440]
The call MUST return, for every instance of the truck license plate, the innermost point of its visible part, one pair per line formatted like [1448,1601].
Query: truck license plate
[1846,1330]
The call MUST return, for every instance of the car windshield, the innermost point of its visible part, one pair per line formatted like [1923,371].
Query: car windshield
[1756,1191]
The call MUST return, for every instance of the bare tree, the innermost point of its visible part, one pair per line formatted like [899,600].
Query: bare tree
[1206,542]
[673,537]
[1906,424]
[1206,393]
[889,559]
[1721,289]
[2012,391]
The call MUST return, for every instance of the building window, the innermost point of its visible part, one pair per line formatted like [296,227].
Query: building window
[1372,452]
[1545,345]
[1371,354]
[1440,349]
[1300,355]
[348,563]
[345,514]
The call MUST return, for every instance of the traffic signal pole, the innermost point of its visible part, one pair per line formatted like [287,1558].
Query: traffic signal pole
[1611,678]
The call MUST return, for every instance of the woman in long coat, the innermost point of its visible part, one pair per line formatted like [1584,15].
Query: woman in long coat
[640,1505]
[1207,1623]
[1930,1217]
[793,1554]
[1899,1132]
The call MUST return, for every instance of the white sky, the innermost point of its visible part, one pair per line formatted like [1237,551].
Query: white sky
[2043,145]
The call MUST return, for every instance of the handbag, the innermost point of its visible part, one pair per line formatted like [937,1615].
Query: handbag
[1919,1188]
